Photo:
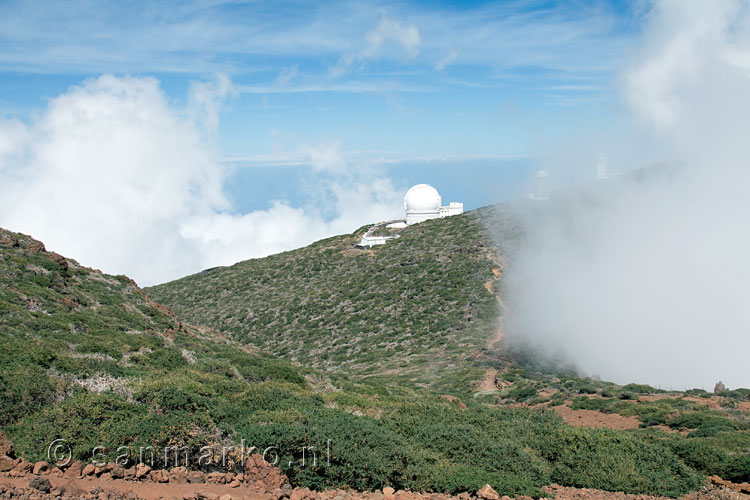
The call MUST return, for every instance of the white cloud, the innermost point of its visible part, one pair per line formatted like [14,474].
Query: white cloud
[111,175]
[404,36]
[389,30]
[646,280]
[451,56]
[287,74]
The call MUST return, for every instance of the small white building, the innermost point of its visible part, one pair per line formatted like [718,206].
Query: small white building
[370,241]
[423,202]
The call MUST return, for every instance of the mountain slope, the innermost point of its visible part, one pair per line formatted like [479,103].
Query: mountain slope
[418,309]
[88,358]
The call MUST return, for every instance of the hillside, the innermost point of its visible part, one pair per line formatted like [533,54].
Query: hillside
[88,358]
[419,309]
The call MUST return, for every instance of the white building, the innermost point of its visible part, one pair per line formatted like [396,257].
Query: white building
[541,193]
[423,202]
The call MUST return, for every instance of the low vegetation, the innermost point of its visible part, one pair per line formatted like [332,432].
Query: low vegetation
[415,311]
[89,358]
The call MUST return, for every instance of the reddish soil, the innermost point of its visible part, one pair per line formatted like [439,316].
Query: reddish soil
[147,491]
[98,488]
[715,492]
[593,418]
[488,381]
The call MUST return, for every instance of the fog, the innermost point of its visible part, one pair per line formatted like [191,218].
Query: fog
[645,277]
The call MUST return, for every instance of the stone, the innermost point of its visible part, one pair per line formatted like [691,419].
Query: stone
[107,476]
[256,468]
[719,387]
[178,475]
[88,470]
[40,467]
[300,494]
[388,491]
[24,465]
[6,447]
[159,476]
[487,493]
[235,484]
[215,477]
[225,497]
[6,464]
[195,477]
[142,471]
[208,496]
[55,471]
[17,472]
[129,474]
[41,484]
[101,469]
[71,488]
[117,472]
[74,470]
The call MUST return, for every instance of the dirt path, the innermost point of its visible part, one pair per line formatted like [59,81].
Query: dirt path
[148,491]
[488,381]
[490,286]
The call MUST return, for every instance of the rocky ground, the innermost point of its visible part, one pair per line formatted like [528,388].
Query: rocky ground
[23,480]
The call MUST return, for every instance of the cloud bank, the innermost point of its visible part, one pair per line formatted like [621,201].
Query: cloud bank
[645,278]
[112,175]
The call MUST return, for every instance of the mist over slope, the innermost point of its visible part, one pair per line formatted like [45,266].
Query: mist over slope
[648,280]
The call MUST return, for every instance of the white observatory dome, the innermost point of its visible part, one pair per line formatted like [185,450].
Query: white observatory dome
[422,197]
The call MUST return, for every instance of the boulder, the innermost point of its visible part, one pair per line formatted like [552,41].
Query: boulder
[388,491]
[18,472]
[41,484]
[142,471]
[487,493]
[215,477]
[101,469]
[178,475]
[6,464]
[129,474]
[195,477]
[235,484]
[257,469]
[225,497]
[74,470]
[719,387]
[117,472]
[6,447]
[88,470]
[159,476]
[40,467]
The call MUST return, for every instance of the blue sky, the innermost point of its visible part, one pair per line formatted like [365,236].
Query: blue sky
[298,106]
[438,78]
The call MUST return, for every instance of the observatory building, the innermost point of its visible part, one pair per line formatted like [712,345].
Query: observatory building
[423,202]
